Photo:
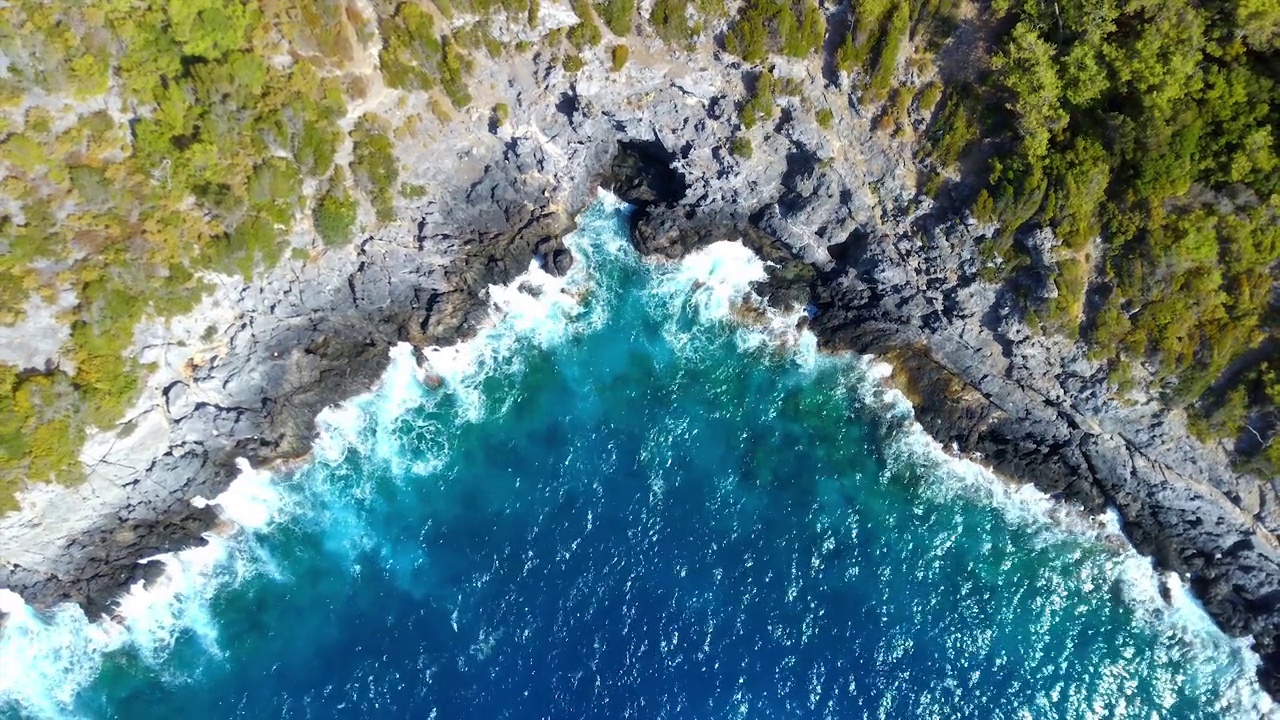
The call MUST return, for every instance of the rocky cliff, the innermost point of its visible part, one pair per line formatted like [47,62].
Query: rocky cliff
[834,212]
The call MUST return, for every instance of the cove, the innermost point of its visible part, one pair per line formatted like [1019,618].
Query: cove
[620,500]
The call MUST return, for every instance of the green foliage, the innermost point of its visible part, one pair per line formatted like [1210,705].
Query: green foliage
[572,63]
[619,56]
[740,146]
[62,48]
[415,57]
[826,118]
[670,19]
[334,213]
[928,97]
[1064,311]
[206,172]
[1031,78]
[586,33]
[1259,23]
[759,106]
[1151,127]
[1082,176]
[210,29]
[889,50]
[204,175]
[40,431]
[454,68]
[867,32]
[501,114]
[618,15]
[374,165]
[955,131]
[412,55]
[790,27]
[984,208]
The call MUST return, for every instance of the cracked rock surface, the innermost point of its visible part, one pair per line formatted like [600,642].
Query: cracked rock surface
[835,215]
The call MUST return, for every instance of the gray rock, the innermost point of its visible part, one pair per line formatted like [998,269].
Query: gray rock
[839,225]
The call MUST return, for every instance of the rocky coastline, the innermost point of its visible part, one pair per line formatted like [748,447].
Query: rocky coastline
[835,213]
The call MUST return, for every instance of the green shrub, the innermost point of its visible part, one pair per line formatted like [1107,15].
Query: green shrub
[759,106]
[956,129]
[886,64]
[334,214]
[927,98]
[374,165]
[586,33]
[1064,310]
[572,63]
[826,118]
[791,27]
[619,57]
[670,20]
[617,15]
[454,69]
[741,147]
[411,55]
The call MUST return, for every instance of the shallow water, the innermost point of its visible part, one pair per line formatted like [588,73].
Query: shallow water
[620,504]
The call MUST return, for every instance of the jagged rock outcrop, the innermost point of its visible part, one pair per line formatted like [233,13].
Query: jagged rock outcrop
[834,215]
[302,339]
[1034,408]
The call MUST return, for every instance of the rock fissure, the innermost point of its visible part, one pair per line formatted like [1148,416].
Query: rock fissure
[842,231]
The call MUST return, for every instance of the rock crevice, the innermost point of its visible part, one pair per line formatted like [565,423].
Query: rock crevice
[832,213]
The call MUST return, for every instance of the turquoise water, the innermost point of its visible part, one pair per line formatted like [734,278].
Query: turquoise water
[618,503]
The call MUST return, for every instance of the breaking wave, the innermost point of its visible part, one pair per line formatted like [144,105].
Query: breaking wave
[626,496]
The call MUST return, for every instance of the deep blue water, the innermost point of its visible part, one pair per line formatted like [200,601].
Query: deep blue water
[619,504]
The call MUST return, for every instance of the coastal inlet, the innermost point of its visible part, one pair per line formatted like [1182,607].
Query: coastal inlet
[620,499]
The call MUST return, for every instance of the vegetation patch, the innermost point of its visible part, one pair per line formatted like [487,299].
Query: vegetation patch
[619,56]
[759,106]
[762,27]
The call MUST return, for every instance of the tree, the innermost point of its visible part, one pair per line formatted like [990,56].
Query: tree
[210,28]
[334,214]
[1027,70]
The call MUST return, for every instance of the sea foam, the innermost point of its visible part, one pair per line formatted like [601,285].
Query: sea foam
[717,281]
[46,660]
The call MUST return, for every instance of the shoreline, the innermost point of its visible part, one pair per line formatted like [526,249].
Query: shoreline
[192,576]
[832,216]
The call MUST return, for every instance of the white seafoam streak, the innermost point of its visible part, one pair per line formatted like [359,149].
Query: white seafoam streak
[46,661]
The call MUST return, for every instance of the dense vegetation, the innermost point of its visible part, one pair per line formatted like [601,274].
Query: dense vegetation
[1141,131]
[1144,134]
[200,167]
[147,143]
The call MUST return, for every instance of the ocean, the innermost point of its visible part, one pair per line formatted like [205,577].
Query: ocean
[631,497]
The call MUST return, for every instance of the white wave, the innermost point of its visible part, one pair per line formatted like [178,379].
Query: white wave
[536,309]
[338,429]
[250,501]
[1180,619]
[401,386]
[154,616]
[45,660]
[716,284]
[715,279]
